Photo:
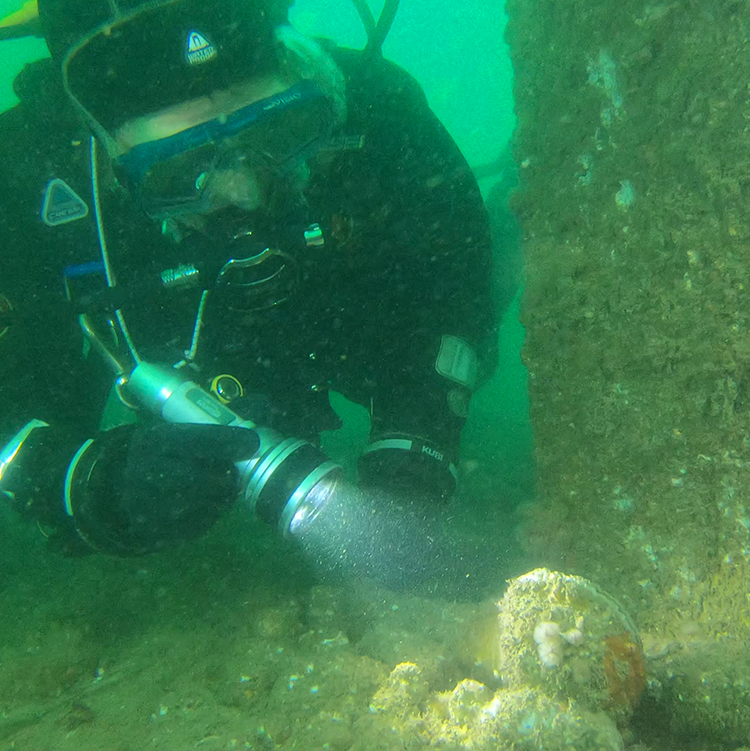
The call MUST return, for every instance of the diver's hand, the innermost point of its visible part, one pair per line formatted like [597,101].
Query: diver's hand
[406,475]
[178,479]
[167,483]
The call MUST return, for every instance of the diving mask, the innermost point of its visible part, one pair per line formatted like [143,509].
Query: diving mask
[175,176]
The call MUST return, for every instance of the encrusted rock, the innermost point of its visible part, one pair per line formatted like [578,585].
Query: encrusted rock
[563,636]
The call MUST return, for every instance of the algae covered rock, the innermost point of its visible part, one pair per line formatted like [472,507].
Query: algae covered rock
[403,693]
[571,668]
[524,719]
[562,636]
[529,719]
[406,715]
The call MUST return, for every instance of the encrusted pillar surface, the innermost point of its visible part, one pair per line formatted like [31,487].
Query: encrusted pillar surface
[634,147]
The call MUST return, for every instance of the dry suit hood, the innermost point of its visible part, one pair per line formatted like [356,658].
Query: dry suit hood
[122,58]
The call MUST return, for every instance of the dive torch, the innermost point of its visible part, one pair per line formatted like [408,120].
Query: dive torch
[287,481]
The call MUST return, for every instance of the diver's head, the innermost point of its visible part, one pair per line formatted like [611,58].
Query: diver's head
[202,104]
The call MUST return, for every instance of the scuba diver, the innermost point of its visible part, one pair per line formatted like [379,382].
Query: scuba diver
[210,221]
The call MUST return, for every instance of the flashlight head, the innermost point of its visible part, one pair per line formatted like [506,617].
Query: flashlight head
[290,483]
[306,505]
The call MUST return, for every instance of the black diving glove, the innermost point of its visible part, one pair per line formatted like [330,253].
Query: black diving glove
[130,491]
[407,468]
[138,490]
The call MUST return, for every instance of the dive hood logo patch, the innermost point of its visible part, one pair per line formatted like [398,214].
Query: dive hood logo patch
[199,49]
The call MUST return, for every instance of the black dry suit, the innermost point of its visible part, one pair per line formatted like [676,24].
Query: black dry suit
[404,274]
